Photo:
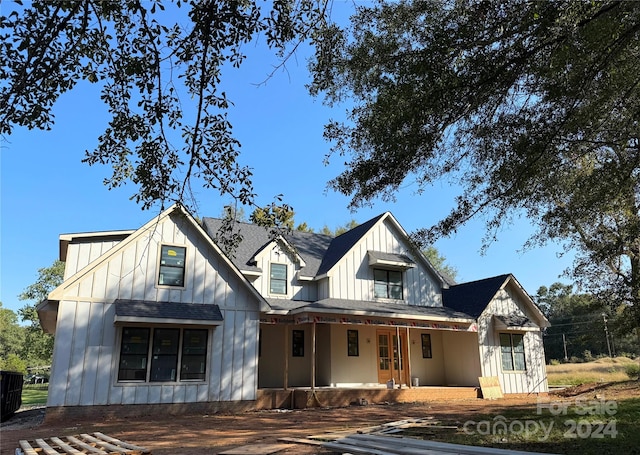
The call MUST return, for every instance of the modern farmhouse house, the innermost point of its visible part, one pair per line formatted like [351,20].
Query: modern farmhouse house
[160,315]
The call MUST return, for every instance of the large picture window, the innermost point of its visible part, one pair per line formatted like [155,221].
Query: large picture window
[278,279]
[387,284]
[163,355]
[512,350]
[172,260]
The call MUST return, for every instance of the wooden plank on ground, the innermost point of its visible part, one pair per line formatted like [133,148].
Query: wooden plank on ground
[310,442]
[490,386]
[27,448]
[98,444]
[443,447]
[66,447]
[103,444]
[257,449]
[120,443]
[46,448]
[84,445]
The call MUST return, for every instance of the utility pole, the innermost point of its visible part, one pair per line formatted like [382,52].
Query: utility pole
[606,333]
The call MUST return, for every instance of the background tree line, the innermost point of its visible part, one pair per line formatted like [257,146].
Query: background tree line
[530,108]
[583,326]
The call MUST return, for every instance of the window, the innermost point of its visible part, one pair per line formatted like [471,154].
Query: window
[170,351]
[133,355]
[297,343]
[172,259]
[387,284]
[278,279]
[426,346]
[512,350]
[352,343]
[194,355]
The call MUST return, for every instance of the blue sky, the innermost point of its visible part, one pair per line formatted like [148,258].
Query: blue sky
[47,191]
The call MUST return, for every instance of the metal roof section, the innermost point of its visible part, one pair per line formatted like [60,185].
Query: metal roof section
[397,261]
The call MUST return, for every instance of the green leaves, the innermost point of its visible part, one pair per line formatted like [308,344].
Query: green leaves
[531,106]
[160,65]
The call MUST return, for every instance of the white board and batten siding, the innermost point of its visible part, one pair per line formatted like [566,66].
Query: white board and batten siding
[352,277]
[276,253]
[86,352]
[533,380]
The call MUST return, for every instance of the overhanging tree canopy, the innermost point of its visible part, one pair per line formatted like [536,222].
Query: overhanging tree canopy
[530,106]
[160,66]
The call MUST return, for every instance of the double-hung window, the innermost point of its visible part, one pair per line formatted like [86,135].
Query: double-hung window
[512,351]
[387,284]
[278,279]
[163,354]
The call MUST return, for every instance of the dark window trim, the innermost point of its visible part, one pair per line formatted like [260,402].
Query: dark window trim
[427,352]
[512,351]
[388,284]
[278,280]
[171,267]
[353,348]
[297,343]
[149,355]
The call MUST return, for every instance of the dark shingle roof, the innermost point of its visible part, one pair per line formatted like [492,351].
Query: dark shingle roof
[320,252]
[343,243]
[473,297]
[381,309]
[167,310]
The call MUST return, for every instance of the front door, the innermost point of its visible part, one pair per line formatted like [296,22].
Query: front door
[391,355]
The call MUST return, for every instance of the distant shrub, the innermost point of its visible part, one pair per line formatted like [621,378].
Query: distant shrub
[626,354]
[633,370]
[554,362]
[574,359]
[588,357]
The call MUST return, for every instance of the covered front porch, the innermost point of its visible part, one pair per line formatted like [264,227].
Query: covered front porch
[367,356]
[306,397]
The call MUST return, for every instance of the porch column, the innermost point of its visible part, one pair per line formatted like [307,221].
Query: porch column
[409,359]
[398,346]
[285,382]
[313,356]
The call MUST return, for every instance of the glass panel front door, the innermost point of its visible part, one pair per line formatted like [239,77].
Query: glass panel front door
[391,352]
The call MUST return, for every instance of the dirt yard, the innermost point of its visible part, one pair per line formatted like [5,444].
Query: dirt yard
[211,434]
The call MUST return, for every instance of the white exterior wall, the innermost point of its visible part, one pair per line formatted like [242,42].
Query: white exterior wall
[352,277]
[81,253]
[353,370]
[461,363]
[86,350]
[275,253]
[534,379]
[428,371]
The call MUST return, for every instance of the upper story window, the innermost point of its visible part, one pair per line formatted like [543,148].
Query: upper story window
[278,279]
[512,350]
[172,260]
[387,284]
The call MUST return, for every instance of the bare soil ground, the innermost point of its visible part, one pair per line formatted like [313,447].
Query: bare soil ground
[210,434]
